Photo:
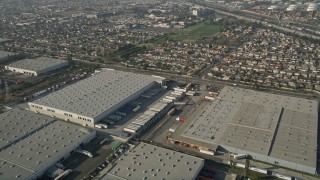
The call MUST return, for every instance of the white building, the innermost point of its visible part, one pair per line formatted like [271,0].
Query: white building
[147,161]
[93,99]
[195,12]
[35,67]
[273,128]
[32,143]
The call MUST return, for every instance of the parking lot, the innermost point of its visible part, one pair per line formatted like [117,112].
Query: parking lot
[83,165]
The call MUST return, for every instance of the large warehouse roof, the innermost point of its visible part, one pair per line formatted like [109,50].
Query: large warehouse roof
[5,54]
[211,123]
[16,124]
[269,124]
[44,147]
[11,171]
[296,140]
[98,93]
[37,64]
[146,161]
[252,128]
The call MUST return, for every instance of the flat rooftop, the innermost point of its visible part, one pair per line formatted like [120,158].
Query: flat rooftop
[251,128]
[5,54]
[16,172]
[37,64]
[212,121]
[43,147]
[94,95]
[269,124]
[147,161]
[16,124]
[296,140]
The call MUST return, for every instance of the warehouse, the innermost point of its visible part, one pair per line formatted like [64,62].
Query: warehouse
[37,66]
[273,128]
[44,144]
[17,124]
[5,55]
[147,161]
[93,99]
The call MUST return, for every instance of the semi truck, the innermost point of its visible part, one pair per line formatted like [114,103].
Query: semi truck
[101,126]
[207,98]
[84,152]
[181,119]
[240,156]
[171,111]
[136,109]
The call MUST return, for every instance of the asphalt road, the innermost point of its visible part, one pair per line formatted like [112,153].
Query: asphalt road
[82,165]
[220,83]
[249,16]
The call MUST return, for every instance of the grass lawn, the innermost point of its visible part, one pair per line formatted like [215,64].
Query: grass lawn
[194,32]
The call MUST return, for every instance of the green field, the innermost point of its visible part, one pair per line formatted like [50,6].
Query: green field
[192,33]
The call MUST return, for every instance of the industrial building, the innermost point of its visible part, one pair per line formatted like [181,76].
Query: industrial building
[5,55]
[34,143]
[37,66]
[273,128]
[94,98]
[147,161]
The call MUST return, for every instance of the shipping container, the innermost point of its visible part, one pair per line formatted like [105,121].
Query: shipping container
[171,97]
[179,103]
[167,100]
[179,89]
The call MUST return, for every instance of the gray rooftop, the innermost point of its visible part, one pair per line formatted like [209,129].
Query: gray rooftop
[252,128]
[247,120]
[296,140]
[5,54]
[212,122]
[98,93]
[44,147]
[16,172]
[146,161]
[16,124]
[37,64]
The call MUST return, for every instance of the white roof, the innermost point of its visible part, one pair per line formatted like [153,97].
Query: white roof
[16,124]
[44,147]
[247,120]
[92,96]
[37,64]
[146,161]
